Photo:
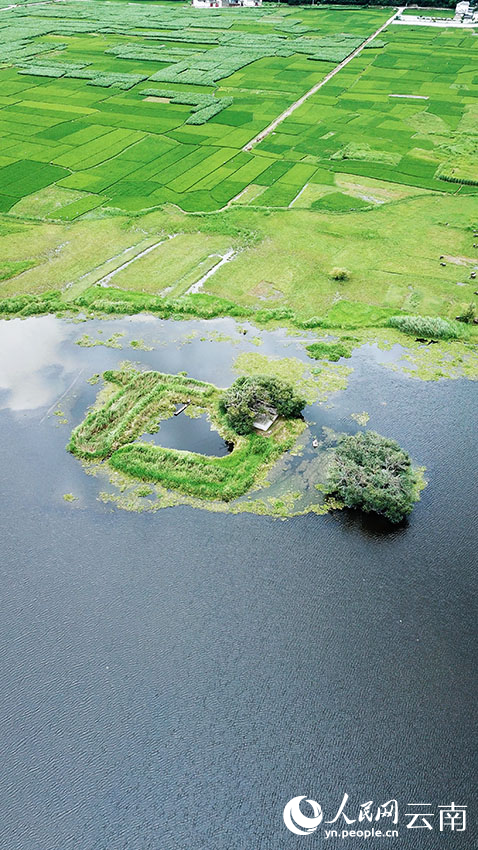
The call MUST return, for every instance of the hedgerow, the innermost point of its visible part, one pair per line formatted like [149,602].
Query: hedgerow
[463,180]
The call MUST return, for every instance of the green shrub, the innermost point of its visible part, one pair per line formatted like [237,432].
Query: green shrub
[249,397]
[469,315]
[372,473]
[313,322]
[340,274]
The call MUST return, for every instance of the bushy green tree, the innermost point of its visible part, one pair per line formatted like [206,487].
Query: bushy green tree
[340,274]
[373,473]
[248,397]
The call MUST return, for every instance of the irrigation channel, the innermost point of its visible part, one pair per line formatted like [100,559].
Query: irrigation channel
[172,679]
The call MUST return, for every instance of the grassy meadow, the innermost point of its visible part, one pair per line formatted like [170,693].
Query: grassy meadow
[283,259]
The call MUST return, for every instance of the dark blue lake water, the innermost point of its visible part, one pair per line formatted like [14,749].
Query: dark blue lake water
[171,680]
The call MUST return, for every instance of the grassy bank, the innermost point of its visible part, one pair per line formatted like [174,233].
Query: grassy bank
[223,478]
[414,255]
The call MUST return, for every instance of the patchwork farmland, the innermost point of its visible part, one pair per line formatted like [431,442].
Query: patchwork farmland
[125,124]
[403,111]
[154,105]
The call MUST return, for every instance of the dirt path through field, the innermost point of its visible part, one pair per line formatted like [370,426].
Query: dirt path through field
[270,129]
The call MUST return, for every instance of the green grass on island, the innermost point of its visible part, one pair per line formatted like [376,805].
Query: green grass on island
[135,402]
[146,476]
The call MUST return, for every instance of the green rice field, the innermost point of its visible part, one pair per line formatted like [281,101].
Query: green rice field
[154,105]
[405,113]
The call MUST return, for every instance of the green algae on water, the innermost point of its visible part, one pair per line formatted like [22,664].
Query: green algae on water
[315,383]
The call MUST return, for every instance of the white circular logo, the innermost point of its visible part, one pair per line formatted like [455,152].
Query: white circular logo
[293,817]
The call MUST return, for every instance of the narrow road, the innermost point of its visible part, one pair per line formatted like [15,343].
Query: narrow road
[410,20]
[270,129]
[27,5]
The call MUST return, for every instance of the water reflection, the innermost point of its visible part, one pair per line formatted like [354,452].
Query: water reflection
[34,370]
[46,363]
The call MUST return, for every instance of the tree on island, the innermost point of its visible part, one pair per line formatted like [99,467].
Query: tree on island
[373,473]
[249,397]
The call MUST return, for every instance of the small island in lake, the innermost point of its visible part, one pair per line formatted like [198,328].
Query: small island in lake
[134,402]
[255,422]
[372,473]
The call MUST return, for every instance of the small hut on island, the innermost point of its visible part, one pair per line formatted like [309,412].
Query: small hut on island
[263,421]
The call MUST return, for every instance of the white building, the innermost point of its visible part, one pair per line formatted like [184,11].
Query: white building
[462,9]
[224,4]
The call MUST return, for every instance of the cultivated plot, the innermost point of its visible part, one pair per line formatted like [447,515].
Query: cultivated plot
[404,111]
[154,105]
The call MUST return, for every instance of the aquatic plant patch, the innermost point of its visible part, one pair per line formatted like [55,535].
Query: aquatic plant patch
[330,350]
[429,327]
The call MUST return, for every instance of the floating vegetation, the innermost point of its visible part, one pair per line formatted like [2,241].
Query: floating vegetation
[86,341]
[144,490]
[140,345]
[314,383]
[329,350]
[361,418]
[450,360]
[447,359]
